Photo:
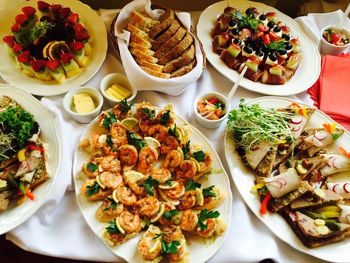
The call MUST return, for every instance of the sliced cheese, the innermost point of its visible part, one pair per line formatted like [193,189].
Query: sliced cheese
[83,103]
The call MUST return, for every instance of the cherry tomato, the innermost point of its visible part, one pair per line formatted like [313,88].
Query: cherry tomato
[273,36]
[213,100]
[263,28]
[335,38]
[266,39]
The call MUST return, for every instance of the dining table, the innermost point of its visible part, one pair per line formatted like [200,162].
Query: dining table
[58,228]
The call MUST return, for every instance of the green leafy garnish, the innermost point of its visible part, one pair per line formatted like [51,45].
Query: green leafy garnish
[209,191]
[186,150]
[39,30]
[92,189]
[245,21]
[252,125]
[124,106]
[149,185]
[112,227]
[133,140]
[165,117]
[169,183]
[108,120]
[110,143]
[219,105]
[204,215]
[150,113]
[191,185]
[199,156]
[172,131]
[112,204]
[92,167]
[329,34]
[169,214]
[278,46]
[170,248]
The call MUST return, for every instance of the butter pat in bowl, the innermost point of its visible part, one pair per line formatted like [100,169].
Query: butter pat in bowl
[83,104]
[116,87]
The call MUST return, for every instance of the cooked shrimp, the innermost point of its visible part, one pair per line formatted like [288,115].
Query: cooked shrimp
[167,207]
[188,200]
[109,210]
[166,117]
[118,132]
[186,170]
[110,163]
[110,180]
[173,159]
[148,206]
[189,220]
[145,111]
[91,169]
[172,233]
[130,222]
[128,156]
[161,175]
[149,239]
[125,196]
[148,157]
[120,114]
[97,140]
[170,143]
[177,192]
[206,165]
[182,254]
[209,231]
[137,188]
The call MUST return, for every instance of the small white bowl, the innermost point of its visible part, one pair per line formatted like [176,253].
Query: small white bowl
[116,78]
[83,117]
[331,49]
[211,123]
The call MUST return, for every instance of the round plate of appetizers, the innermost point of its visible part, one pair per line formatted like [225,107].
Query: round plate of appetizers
[48,48]
[29,161]
[295,178]
[165,200]
[281,59]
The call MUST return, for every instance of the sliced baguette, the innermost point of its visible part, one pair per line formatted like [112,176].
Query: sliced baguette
[134,46]
[180,61]
[142,19]
[166,46]
[184,70]
[165,21]
[136,39]
[137,31]
[156,74]
[164,36]
[150,65]
[143,56]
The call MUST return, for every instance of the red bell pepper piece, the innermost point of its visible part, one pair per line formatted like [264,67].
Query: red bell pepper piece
[263,208]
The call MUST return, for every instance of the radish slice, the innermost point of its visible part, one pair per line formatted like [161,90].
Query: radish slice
[334,188]
[345,188]
[330,161]
[320,135]
[335,163]
[276,183]
[296,119]
[296,128]
[316,142]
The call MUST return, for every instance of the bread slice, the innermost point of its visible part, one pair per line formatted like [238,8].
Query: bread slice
[150,65]
[184,70]
[177,50]
[164,47]
[136,39]
[156,74]
[180,61]
[169,32]
[143,56]
[134,46]
[142,19]
[137,31]
[165,21]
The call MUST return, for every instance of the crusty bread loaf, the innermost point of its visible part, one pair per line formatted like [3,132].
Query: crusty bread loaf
[184,70]
[180,61]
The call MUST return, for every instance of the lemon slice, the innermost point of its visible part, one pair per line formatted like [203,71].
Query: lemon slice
[99,182]
[168,185]
[122,231]
[130,123]
[132,176]
[197,164]
[45,51]
[56,48]
[152,142]
[156,245]
[199,197]
[114,196]
[159,213]
[181,152]
[3,183]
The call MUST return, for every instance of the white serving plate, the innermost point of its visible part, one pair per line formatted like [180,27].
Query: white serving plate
[97,30]
[307,72]
[199,250]
[16,215]
[244,180]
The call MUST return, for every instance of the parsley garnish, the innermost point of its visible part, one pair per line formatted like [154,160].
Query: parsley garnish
[112,204]
[245,21]
[171,247]
[92,189]
[165,117]
[108,120]
[91,167]
[209,191]
[169,214]
[219,105]
[149,185]
[199,156]
[186,150]
[149,112]
[192,185]
[205,214]
[277,45]
[133,140]
[124,106]
[172,132]
[109,141]
[112,227]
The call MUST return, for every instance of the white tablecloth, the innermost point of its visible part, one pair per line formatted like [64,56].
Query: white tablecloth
[60,230]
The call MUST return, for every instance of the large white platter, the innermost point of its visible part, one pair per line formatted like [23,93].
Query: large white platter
[16,215]
[306,74]
[199,250]
[97,31]
[244,180]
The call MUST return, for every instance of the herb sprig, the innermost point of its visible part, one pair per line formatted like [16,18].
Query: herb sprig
[133,140]
[204,215]
[149,185]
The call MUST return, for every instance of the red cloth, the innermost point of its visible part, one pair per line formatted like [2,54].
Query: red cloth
[331,92]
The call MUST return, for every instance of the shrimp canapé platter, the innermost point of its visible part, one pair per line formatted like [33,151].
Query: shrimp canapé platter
[146,181]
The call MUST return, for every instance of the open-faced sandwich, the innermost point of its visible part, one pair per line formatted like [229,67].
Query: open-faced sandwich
[294,170]
[22,155]
[49,43]
[259,41]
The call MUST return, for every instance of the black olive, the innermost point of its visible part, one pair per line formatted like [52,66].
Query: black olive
[248,49]
[234,31]
[288,46]
[286,37]
[259,53]
[282,52]
[232,23]
[249,12]
[273,56]
[276,29]
[237,40]
[262,17]
[271,24]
